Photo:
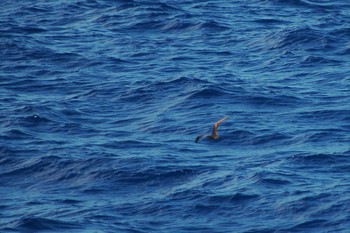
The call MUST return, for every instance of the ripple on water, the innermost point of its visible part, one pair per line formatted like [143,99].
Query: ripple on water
[100,103]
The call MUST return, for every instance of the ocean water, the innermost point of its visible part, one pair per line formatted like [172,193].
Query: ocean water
[101,100]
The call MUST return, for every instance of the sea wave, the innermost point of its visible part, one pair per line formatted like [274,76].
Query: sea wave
[101,102]
[32,224]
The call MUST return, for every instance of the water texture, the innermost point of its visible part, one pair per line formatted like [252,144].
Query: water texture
[101,100]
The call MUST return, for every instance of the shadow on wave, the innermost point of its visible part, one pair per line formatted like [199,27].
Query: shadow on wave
[110,179]
[266,178]
[180,25]
[312,60]
[301,4]
[158,175]
[92,175]
[326,159]
[243,137]
[191,88]
[167,18]
[16,134]
[273,100]
[148,16]
[208,92]
[236,198]
[292,39]
[35,224]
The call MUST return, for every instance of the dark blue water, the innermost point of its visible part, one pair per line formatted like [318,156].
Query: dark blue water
[101,100]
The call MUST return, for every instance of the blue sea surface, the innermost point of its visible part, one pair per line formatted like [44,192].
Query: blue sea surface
[101,101]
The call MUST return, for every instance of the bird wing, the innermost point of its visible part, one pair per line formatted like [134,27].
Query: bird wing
[214,133]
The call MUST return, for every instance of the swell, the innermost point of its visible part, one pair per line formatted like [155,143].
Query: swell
[35,224]
[304,4]
[271,100]
[271,179]
[252,138]
[237,198]
[333,159]
[54,173]
[325,114]
[183,88]
[306,38]
[101,101]
[163,17]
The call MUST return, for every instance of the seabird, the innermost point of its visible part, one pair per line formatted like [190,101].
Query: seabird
[214,134]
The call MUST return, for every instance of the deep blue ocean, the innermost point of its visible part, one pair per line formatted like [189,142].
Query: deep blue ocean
[101,101]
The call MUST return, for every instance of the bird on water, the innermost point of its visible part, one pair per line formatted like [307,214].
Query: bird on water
[214,134]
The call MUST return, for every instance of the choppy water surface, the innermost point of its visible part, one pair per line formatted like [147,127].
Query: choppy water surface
[100,103]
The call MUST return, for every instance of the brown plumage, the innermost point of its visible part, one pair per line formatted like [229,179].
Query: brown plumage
[214,134]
